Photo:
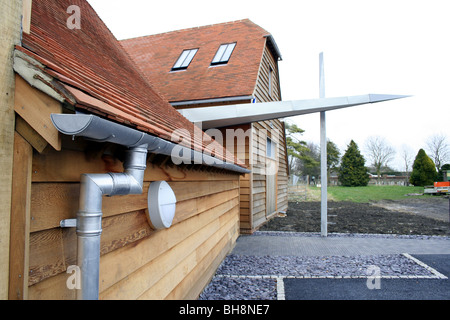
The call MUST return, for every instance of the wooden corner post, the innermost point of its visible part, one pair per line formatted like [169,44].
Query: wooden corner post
[10,17]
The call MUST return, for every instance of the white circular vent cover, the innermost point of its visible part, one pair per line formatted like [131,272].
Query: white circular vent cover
[161,204]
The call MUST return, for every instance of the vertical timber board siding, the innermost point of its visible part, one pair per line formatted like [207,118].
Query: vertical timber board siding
[137,262]
[10,17]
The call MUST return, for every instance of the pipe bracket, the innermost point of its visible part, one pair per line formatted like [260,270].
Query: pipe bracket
[68,223]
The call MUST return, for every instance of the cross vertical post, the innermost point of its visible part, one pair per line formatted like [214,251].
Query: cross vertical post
[323,154]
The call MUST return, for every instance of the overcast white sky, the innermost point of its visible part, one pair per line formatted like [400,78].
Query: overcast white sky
[384,47]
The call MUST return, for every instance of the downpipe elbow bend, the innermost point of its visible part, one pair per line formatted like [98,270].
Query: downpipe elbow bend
[126,184]
[132,180]
[89,217]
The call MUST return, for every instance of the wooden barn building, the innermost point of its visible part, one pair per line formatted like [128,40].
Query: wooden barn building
[90,135]
[110,187]
[222,65]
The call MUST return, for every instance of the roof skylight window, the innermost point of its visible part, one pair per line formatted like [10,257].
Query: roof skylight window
[223,54]
[184,60]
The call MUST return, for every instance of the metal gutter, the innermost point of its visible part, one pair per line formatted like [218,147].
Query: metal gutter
[274,45]
[94,186]
[215,100]
[101,130]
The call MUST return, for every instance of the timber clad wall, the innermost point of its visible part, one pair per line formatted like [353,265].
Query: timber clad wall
[241,151]
[261,131]
[250,75]
[254,189]
[268,90]
[137,262]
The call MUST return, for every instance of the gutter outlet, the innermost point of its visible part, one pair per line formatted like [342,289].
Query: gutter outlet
[94,186]
[89,216]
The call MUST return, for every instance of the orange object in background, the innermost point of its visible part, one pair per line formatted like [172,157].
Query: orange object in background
[442,184]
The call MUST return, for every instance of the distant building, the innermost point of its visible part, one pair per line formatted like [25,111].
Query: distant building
[218,65]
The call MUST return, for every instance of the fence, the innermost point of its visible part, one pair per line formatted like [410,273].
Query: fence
[386,180]
[382,181]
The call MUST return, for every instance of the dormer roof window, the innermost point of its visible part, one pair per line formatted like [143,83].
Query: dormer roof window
[223,54]
[184,60]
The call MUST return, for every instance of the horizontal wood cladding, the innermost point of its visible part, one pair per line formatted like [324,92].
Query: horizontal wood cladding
[96,158]
[268,85]
[242,139]
[137,262]
[158,272]
[267,89]
[273,129]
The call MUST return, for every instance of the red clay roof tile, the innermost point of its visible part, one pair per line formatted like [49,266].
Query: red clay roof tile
[156,54]
[94,67]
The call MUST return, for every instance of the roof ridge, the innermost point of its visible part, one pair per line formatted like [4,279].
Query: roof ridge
[196,28]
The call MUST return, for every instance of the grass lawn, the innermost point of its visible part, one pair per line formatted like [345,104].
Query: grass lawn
[355,194]
[371,193]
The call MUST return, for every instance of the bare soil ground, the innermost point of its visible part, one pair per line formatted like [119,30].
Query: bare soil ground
[424,216]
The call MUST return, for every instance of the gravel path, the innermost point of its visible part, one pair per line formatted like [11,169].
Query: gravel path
[254,277]
[308,267]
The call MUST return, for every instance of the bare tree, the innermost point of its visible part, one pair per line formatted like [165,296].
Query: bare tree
[408,158]
[379,152]
[438,149]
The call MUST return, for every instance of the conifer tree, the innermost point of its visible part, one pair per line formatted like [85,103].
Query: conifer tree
[424,171]
[297,149]
[353,172]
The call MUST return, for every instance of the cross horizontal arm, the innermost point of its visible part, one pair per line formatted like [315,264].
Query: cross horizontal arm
[227,115]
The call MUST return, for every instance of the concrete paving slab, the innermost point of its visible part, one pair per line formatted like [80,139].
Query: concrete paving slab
[342,246]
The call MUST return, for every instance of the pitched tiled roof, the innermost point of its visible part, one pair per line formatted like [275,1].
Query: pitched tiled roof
[156,54]
[93,66]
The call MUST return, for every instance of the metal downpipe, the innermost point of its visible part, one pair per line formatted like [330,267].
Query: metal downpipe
[95,186]
[89,216]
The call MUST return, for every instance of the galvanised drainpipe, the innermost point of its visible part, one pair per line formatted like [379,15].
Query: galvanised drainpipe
[95,186]
[89,216]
